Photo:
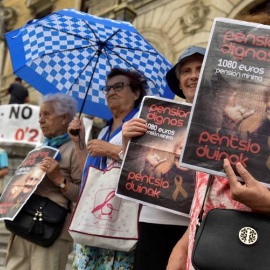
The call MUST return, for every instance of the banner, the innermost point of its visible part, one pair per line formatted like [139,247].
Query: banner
[231,112]
[150,172]
[24,182]
[19,124]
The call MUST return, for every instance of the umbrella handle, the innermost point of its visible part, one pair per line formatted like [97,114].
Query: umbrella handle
[75,132]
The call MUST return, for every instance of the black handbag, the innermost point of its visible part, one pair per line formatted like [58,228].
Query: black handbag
[229,239]
[40,221]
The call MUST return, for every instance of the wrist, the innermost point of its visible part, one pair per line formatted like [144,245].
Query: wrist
[63,184]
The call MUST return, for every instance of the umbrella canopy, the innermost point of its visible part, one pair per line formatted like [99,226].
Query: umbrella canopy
[72,52]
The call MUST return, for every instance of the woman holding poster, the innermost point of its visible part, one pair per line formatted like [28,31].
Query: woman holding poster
[160,230]
[61,184]
[124,91]
[224,193]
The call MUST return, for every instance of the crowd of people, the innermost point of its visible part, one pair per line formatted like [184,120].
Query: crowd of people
[165,239]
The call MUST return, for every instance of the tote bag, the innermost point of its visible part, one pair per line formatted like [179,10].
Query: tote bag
[101,219]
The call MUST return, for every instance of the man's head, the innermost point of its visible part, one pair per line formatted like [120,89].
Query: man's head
[183,77]
[18,79]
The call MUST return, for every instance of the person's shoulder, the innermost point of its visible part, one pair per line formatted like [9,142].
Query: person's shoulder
[68,144]
[11,86]
[67,151]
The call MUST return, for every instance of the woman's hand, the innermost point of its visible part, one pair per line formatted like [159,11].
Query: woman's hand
[51,167]
[133,128]
[99,148]
[77,123]
[252,193]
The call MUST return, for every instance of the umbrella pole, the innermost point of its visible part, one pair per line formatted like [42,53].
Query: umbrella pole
[75,132]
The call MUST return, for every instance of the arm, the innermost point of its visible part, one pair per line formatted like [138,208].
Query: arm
[78,141]
[73,176]
[99,148]
[178,257]
[3,172]
[52,168]
[252,193]
[7,91]
[132,128]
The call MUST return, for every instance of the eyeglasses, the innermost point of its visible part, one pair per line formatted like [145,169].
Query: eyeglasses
[116,87]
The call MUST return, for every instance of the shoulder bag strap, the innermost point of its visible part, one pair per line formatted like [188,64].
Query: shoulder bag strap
[199,219]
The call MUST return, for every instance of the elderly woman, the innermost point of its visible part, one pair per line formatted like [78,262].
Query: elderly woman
[61,184]
[153,252]
[124,91]
[225,193]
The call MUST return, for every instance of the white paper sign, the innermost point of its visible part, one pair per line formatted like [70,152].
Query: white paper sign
[19,124]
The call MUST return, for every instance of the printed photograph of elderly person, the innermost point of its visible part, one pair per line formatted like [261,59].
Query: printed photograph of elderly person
[124,91]
[251,125]
[160,230]
[224,193]
[165,165]
[19,190]
[61,184]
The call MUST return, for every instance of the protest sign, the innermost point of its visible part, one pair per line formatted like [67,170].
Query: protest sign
[231,112]
[19,124]
[150,172]
[24,182]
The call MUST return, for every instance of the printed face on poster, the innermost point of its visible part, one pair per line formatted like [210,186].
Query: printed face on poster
[231,113]
[24,182]
[150,172]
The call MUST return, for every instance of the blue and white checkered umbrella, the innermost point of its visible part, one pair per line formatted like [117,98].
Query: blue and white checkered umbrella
[72,52]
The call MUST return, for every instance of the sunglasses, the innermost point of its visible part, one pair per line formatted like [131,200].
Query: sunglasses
[116,87]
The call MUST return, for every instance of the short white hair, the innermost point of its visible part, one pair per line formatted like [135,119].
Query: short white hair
[62,104]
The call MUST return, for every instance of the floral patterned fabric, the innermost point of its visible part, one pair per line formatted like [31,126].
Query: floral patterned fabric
[92,258]
[218,197]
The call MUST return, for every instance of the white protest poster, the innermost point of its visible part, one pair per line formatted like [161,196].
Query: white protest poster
[24,182]
[150,172]
[230,117]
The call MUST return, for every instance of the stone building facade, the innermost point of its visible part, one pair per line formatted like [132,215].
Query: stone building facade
[169,25]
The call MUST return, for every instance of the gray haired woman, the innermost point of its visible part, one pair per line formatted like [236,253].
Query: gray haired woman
[61,184]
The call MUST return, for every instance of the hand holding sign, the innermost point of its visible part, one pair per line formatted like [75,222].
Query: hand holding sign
[133,128]
[252,193]
[52,169]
